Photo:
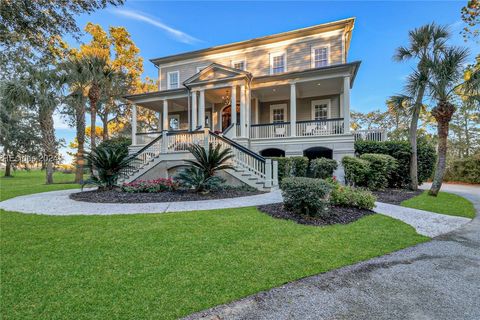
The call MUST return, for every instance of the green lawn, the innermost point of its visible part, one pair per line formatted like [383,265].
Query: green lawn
[445,203]
[27,182]
[163,266]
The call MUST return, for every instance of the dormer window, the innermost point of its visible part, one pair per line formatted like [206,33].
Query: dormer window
[173,80]
[240,65]
[278,62]
[320,56]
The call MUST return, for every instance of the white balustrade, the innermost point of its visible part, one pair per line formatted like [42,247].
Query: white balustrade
[271,130]
[179,142]
[370,135]
[320,127]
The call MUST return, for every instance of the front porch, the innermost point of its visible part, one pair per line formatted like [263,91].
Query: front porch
[270,107]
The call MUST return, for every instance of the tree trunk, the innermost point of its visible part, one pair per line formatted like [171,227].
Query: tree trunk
[48,141]
[8,169]
[93,95]
[80,126]
[443,114]
[413,139]
[105,128]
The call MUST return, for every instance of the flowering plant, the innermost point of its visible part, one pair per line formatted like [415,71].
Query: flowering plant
[150,186]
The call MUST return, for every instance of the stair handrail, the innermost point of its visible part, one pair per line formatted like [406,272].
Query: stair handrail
[135,156]
[238,146]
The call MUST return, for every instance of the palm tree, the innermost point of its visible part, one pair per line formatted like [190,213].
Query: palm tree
[38,90]
[398,106]
[78,81]
[425,43]
[446,70]
[98,72]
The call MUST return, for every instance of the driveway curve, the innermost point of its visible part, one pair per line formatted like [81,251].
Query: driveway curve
[435,280]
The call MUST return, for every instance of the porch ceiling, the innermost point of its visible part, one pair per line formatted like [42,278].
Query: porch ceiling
[304,90]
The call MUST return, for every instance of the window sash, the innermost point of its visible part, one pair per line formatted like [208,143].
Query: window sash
[320,57]
[321,111]
[173,80]
[239,65]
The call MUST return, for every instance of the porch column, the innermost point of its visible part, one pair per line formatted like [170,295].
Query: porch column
[346,104]
[194,110]
[160,121]
[243,129]
[233,108]
[165,125]
[201,109]
[293,109]
[248,110]
[134,125]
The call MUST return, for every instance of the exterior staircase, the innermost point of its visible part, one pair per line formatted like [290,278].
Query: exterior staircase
[249,167]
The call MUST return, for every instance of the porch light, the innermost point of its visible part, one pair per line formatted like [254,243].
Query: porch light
[226,98]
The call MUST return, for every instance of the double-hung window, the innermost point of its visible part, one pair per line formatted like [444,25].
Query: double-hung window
[240,64]
[320,56]
[278,62]
[173,80]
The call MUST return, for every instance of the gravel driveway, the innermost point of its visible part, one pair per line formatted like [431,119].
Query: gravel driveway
[435,280]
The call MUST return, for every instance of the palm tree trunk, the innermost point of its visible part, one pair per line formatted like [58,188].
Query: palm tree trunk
[413,139]
[105,128]
[80,126]
[48,141]
[93,120]
[443,114]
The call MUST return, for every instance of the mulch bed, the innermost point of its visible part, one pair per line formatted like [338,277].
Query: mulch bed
[395,196]
[339,215]
[118,196]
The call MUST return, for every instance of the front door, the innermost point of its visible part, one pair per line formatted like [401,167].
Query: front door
[226,117]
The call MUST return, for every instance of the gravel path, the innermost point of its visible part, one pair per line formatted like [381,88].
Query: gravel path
[439,279]
[59,203]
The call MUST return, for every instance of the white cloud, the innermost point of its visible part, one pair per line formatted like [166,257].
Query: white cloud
[60,123]
[175,33]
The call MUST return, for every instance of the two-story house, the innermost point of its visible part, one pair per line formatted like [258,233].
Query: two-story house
[286,94]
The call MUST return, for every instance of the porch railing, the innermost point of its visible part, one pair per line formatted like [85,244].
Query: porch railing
[181,140]
[144,138]
[320,127]
[370,135]
[270,130]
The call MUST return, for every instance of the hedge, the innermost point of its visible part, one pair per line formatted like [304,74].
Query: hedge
[322,168]
[464,170]
[400,150]
[306,196]
[356,170]
[291,166]
[380,170]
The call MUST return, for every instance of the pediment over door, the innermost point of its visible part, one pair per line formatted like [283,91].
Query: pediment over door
[216,72]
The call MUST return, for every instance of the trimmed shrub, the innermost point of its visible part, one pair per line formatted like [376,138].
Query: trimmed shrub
[300,166]
[356,170]
[464,170]
[291,166]
[380,170]
[284,167]
[150,186]
[306,196]
[400,150]
[322,168]
[346,196]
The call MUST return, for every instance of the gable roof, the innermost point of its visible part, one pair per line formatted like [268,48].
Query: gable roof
[231,73]
[346,24]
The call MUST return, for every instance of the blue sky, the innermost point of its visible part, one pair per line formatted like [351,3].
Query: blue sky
[162,28]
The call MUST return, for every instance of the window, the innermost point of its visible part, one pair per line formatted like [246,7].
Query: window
[278,113]
[278,62]
[320,109]
[174,122]
[172,80]
[200,68]
[240,64]
[320,56]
